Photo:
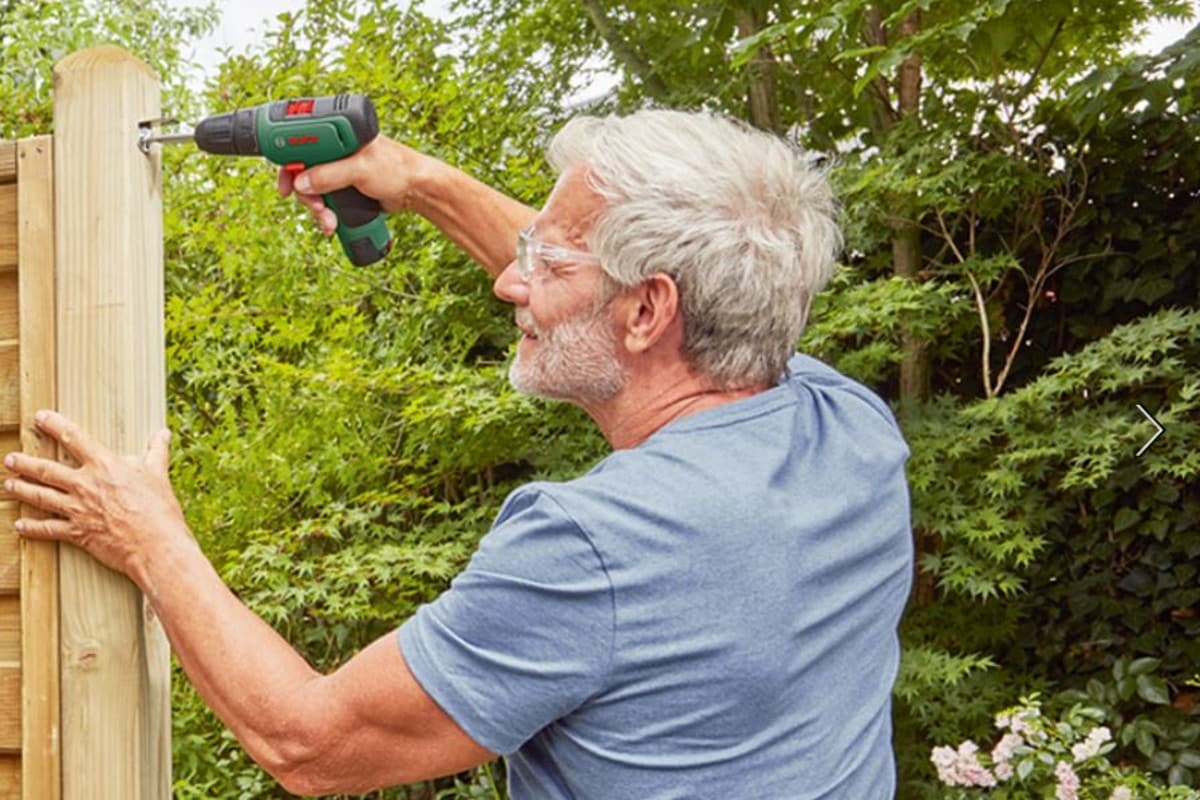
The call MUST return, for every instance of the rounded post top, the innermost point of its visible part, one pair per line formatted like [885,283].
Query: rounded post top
[99,57]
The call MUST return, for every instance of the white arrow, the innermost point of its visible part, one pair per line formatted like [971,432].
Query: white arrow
[1157,433]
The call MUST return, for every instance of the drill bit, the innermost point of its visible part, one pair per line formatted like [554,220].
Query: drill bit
[147,137]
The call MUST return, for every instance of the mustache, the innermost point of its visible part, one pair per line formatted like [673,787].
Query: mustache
[524,321]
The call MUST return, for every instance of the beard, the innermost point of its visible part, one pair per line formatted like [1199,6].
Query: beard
[574,360]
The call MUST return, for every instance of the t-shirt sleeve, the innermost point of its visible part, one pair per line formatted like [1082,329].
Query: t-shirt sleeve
[524,635]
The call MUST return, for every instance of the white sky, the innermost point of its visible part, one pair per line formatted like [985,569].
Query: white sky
[244,21]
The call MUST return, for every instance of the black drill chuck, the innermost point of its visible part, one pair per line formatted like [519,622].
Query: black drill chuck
[232,134]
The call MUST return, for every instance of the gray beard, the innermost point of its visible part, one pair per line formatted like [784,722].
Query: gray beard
[576,361]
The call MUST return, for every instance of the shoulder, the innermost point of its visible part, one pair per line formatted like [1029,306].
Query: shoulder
[538,527]
[806,371]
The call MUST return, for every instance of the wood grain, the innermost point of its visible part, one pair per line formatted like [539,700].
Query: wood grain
[10,553]
[10,698]
[10,629]
[8,227]
[10,385]
[10,777]
[8,305]
[111,380]
[8,161]
[41,740]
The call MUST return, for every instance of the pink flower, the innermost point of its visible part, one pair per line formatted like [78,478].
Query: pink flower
[961,767]
[1003,751]
[1068,782]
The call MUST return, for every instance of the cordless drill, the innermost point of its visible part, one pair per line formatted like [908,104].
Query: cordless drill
[297,134]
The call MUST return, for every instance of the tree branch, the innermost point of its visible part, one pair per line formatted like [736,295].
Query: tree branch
[1028,87]
[624,51]
[764,108]
[985,332]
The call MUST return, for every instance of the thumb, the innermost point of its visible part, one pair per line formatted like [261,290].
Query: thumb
[325,178]
[158,452]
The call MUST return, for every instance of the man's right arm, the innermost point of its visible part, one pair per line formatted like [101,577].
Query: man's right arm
[481,220]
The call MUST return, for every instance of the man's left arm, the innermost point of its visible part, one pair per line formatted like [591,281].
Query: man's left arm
[367,725]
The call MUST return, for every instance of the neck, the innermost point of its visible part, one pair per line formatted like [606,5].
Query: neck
[643,407]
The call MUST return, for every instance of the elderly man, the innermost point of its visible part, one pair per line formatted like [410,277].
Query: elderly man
[711,611]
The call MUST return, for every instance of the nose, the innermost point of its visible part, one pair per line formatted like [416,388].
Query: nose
[509,287]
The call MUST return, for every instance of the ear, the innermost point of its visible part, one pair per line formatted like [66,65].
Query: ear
[649,311]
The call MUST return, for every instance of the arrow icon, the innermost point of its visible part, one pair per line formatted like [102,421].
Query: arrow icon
[1157,433]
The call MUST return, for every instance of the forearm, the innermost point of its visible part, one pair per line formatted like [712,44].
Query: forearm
[247,673]
[481,220]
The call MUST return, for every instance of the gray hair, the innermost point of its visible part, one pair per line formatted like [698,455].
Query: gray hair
[743,221]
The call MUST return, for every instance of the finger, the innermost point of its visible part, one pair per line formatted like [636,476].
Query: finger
[44,497]
[326,219]
[284,182]
[41,470]
[81,446]
[43,528]
[158,452]
[326,178]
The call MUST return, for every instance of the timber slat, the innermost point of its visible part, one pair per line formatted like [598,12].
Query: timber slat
[10,385]
[8,162]
[8,227]
[10,442]
[10,777]
[10,698]
[10,558]
[8,305]
[42,737]
[10,632]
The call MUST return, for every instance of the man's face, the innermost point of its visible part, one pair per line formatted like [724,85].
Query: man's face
[568,349]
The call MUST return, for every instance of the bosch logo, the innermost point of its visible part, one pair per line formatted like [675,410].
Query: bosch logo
[310,139]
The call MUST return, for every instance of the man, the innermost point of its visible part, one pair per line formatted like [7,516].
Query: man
[710,612]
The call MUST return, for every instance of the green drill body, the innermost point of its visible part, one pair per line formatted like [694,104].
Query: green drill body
[300,133]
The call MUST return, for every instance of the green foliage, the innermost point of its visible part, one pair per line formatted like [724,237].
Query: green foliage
[996,477]
[1137,698]
[34,36]
[1048,522]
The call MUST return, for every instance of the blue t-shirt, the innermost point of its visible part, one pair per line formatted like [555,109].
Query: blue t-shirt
[711,614]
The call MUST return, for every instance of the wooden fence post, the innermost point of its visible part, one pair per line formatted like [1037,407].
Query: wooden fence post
[111,380]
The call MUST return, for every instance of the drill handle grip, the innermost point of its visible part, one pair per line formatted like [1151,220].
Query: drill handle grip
[361,229]
[353,208]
